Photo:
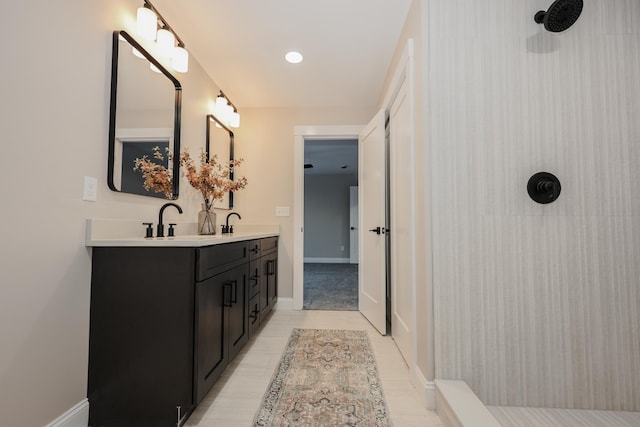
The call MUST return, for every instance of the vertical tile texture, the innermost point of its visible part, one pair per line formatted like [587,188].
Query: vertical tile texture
[536,305]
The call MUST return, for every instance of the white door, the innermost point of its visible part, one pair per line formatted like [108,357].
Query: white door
[353,225]
[402,223]
[371,181]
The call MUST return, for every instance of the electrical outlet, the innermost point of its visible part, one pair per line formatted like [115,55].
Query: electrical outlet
[90,192]
[282,210]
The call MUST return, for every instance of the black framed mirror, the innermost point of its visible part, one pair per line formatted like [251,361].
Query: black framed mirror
[144,113]
[220,140]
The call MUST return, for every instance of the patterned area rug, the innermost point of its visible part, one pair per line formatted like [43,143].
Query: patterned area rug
[325,378]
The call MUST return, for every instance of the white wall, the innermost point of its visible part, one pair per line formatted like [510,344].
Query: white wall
[326,215]
[536,305]
[415,29]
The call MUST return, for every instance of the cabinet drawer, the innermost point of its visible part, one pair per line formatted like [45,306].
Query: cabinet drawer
[254,249]
[254,277]
[212,260]
[269,245]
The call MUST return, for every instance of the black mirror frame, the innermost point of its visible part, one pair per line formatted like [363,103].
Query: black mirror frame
[112,110]
[211,117]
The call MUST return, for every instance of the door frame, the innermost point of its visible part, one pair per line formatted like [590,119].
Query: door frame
[300,133]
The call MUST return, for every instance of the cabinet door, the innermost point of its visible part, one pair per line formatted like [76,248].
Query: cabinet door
[254,315]
[141,336]
[268,285]
[265,305]
[211,353]
[237,310]
[272,278]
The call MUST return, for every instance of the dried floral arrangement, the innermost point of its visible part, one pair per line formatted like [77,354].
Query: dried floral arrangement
[212,180]
[157,178]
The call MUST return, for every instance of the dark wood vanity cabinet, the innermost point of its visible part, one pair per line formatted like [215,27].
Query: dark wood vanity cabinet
[164,323]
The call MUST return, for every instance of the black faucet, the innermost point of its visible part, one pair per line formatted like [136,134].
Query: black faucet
[229,228]
[160,224]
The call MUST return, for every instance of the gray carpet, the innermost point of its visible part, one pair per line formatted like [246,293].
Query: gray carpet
[330,287]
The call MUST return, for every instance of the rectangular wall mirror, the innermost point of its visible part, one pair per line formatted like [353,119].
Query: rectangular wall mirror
[144,113]
[220,143]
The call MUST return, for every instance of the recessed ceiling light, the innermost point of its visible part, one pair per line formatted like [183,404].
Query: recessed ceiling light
[293,57]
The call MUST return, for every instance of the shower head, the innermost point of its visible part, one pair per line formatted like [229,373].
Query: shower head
[561,15]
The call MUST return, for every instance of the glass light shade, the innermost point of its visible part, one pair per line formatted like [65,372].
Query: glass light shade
[228,111]
[166,43]
[154,68]
[146,23]
[234,120]
[180,60]
[221,103]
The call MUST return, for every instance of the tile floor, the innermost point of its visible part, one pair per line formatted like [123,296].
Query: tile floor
[233,401]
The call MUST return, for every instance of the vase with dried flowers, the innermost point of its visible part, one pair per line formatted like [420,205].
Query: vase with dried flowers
[212,180]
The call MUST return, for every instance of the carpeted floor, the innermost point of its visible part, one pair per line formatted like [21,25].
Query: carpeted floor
[325,378]
[330,287]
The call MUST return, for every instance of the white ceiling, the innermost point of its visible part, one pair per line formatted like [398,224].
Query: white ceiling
[331,157]
[347,47]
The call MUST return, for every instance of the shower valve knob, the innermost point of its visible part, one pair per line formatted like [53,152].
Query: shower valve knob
[544,187]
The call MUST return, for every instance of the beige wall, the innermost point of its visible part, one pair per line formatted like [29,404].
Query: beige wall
[54,80]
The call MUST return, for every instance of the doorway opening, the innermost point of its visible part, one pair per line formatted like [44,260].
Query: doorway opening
[330,224]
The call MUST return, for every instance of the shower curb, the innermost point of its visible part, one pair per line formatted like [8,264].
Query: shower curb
[458,406]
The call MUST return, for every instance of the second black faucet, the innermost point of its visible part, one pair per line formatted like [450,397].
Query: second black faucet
[226,229]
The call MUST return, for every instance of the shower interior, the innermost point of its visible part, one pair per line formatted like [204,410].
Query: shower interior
[540,313]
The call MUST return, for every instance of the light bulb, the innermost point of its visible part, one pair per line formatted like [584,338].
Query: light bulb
[180,60]
[166,43]
[146,23]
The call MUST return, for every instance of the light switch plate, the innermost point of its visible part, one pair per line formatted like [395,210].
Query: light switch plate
[282,210]
[90,192]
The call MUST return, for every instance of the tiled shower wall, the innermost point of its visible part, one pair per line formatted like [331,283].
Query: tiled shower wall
[536,305]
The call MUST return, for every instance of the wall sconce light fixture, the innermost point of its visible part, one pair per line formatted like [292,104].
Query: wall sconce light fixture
[150,25]
[226,112]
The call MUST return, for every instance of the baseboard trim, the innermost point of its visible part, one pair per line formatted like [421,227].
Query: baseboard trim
[284,304]
[78,416]
[426,388]
[327,260]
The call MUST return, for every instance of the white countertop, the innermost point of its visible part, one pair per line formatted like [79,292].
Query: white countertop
[118,233]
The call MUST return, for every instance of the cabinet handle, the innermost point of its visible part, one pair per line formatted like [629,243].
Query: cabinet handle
[224,294]
[235,292]
[270,269]
[255,276]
